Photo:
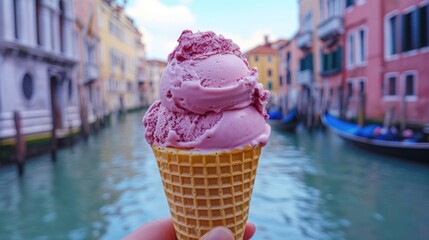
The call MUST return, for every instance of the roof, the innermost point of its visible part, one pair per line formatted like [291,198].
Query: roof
[262,49]
[156,62]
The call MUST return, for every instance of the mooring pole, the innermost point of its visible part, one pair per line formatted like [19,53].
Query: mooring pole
[20,145]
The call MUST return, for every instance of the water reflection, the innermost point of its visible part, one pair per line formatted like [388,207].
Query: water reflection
[309,186]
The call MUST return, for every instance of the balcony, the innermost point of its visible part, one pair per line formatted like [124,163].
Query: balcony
[305,77]
[304,40]
[91,71]
[331,27]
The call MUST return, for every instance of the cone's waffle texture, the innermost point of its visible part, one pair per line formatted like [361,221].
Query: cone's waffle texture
[208,190]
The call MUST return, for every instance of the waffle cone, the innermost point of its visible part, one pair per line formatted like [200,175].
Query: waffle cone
[208,190]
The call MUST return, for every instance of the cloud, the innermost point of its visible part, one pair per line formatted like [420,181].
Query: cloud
[161,24]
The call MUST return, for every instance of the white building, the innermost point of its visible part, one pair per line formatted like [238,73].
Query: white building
[37,66]
[154,70]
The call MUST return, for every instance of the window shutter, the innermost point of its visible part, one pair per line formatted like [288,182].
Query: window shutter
[415,29]
[404,36]
[340,57]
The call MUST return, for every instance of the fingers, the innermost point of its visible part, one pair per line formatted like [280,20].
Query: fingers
[249,231]
[223,233]
[159,229]
[218,233]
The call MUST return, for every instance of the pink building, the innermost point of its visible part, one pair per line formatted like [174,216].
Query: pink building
[405,82]
[363,59]
[289,55]
[387,49]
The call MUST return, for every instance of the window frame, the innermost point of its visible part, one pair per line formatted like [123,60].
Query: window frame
[32,96]
[410,98]
[425,3]
[386,86]
[388,32]
[359,61]
[411,52]
[351,46]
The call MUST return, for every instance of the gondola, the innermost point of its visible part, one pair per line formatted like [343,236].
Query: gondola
[387,144]
[286,123]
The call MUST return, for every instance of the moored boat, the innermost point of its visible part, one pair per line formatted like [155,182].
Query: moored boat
[286,123]
[389,142]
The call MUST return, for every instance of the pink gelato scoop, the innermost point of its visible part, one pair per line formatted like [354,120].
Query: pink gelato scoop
[210,98]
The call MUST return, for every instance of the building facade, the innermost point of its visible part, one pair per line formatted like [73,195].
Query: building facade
[37,66]
[289,88]
[88,78]
[265,58]
[311,93]
[154,69]
[404,85]
[365,59]
[330,32]
[118,63]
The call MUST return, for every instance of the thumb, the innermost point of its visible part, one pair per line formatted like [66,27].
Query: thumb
[218,233]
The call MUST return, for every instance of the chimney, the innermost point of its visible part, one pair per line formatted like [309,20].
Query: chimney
[266,41]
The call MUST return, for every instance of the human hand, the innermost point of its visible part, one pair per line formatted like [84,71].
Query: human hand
[163,229]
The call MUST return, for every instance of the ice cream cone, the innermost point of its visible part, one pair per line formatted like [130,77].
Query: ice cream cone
[208,190]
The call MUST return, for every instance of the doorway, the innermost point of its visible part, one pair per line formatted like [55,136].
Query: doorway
[55,103]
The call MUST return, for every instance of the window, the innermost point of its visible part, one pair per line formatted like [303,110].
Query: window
[410,31]
[270,85]
[270,58]
[62,25]
[362,87]
[350,89]
[322,11]
[38,23]
[27,86]
[410,85]
[391,86]
[362,46]
[16,18]
[350,3]
[424,26]
[351,50]
[288,77]
[391,36]
[269,72]
[70,89]
[256,58]
[306,63]
[331,62]
[280,80]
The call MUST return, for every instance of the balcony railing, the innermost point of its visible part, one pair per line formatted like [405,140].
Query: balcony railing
[305,77]
[304,40]
[91,72]
[332,26]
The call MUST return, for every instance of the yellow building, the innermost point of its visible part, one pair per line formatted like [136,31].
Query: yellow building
[119,39]
[265,59]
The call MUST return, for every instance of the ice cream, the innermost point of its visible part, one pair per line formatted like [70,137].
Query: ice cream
[206,132]
[209,98]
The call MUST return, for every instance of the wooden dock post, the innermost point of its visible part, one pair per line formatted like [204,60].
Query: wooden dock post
[54,139]
[20,145]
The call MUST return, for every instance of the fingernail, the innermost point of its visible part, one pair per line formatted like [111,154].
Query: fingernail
[218,233]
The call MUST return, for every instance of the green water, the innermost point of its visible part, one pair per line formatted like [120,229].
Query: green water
[309,186]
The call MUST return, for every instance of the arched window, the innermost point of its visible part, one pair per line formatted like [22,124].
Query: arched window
[28,86]
[62,22]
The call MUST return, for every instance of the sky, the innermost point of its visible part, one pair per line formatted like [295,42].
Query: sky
[244,21]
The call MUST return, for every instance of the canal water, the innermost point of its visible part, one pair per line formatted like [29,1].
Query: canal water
[309,186]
